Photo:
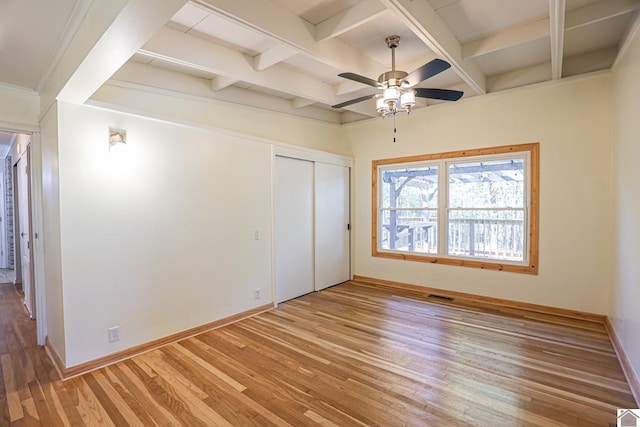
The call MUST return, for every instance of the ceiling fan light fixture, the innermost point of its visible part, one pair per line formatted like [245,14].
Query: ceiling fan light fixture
[398,95]
[408,99]
[391,94]
[381,105]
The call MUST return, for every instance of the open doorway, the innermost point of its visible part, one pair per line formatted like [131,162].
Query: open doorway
[22,223]
[15,233]
[7,236]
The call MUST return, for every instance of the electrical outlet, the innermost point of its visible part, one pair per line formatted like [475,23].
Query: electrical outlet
[256,293]
[256,234]
[114,334]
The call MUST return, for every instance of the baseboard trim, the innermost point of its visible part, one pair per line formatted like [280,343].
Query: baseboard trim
[55,358]
[596,318]
[632,377]
[67,373]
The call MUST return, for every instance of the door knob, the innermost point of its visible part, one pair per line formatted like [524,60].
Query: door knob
[23,234]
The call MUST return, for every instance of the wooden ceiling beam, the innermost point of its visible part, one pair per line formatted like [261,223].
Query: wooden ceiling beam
[272,56]
[301,102]
[183,49]
[556,23]
[150,79]
[221,82]
[425,23]
[277,23]
[108,36]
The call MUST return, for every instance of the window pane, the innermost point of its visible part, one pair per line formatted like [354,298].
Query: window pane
[490,234]
[491,184]
[410,188]
[409,230]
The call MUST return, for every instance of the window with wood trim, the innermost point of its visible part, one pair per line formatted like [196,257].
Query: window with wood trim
[475,208]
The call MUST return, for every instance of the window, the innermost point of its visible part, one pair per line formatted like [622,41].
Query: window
[475,208]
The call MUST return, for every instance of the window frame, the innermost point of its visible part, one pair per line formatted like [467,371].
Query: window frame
[530,263]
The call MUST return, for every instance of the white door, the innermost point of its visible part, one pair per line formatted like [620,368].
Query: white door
[24,228]
[332,243]
[293,223]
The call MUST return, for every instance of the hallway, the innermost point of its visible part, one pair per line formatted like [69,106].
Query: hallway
[28,376]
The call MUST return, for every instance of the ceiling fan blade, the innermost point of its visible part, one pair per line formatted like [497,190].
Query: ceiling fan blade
[443,94]
[361,79]
[428,70]
[353,101]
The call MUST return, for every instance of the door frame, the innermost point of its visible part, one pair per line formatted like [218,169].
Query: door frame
[37,244]
[17,245]
[302,153]
[17,213]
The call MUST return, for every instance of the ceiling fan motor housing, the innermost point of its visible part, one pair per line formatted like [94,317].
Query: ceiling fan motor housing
[392,78]
[393,41]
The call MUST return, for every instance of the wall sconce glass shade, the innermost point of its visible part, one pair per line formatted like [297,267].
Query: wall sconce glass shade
[117,137]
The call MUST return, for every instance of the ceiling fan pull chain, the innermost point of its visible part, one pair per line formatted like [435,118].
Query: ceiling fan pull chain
[394,129]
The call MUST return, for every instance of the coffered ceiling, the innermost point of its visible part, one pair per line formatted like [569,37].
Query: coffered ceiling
[285,55]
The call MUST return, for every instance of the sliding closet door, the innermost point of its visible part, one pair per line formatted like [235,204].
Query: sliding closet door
[332,248]
[293,220]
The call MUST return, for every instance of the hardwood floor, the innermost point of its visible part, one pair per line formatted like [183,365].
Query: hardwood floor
[351,355]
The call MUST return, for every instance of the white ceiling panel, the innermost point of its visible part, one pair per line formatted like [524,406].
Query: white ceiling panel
[370,38]
[439,4]
[221,31]
[575,4]
[595,37]
[472,19]
[516,57]
[309,66]
[316,11]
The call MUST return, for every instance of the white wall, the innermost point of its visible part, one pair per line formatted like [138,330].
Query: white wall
[308,133]
[626,254]
[19,109]
[158,238]
[54,305]
[572,122]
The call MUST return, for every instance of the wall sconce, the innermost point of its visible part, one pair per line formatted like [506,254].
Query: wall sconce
[117,139]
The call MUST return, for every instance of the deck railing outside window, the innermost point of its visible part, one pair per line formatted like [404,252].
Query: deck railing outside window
[475,208]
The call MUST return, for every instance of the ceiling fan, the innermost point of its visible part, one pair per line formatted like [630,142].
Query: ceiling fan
[398,95]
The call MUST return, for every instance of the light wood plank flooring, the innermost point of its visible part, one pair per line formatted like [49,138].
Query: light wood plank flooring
[352,355]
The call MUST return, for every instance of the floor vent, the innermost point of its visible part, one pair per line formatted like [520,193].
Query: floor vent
[440,297]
